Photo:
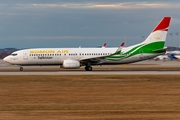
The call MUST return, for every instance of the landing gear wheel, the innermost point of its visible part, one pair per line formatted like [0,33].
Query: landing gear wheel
[21,69]
[88,68]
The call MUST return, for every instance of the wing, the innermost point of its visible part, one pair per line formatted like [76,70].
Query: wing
[98,60]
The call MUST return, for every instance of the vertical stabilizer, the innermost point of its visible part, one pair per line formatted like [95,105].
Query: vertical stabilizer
[159,33]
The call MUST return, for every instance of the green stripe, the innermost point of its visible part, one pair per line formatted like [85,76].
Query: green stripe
[143,48]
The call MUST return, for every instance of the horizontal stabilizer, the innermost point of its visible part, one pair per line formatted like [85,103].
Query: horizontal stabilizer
[160,50]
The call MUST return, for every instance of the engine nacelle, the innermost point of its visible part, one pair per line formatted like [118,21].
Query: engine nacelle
[71,64]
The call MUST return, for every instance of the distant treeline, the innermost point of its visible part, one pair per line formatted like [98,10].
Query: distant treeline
[6,51]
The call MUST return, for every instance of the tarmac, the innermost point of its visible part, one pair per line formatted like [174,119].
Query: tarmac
[139,68]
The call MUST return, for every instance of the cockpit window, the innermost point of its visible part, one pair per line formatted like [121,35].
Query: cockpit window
[14,54]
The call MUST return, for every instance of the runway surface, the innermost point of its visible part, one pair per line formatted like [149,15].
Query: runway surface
[140,68]
[94,73]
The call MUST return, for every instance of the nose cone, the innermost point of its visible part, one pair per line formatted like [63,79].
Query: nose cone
[7,59]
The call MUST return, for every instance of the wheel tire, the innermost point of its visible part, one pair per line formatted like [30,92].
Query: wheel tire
[21,69]
[88,68]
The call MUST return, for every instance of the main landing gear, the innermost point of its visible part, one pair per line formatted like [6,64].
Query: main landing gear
[21,68]
[88,68]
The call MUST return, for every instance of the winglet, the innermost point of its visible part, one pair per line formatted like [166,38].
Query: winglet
[120,47]
[118,51]
[104,45]
[122,44]
[163,25]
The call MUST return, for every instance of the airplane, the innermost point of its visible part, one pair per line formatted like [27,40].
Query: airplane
[69,58]
[176,52]
[174,56]
[162,57]
[169,55]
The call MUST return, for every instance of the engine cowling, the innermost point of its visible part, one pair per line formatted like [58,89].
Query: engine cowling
[71,64]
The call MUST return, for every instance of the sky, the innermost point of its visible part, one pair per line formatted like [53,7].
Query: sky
[86,23]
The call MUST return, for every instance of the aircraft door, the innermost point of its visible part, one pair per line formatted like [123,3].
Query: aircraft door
[25,55]
[141,54]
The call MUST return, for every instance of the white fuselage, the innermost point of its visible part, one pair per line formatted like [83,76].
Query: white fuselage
[56,56]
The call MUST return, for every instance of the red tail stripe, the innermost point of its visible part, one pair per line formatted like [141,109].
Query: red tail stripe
[163,25]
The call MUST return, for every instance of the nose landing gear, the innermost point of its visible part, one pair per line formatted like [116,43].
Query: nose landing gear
[21,68]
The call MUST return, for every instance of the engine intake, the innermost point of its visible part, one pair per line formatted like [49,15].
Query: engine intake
[71,64]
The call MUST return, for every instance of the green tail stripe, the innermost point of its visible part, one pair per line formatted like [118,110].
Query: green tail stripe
[143,48]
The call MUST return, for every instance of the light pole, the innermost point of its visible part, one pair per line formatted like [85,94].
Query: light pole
[177,36]
[171,40]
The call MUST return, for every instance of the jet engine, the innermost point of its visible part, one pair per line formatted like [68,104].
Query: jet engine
[71,64]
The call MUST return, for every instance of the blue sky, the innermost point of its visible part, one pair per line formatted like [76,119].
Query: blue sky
[86,23]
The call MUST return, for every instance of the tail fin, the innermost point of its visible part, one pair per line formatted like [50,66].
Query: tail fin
[159,33]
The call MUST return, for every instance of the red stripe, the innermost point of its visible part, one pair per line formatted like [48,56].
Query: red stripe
[163,25]
[122,44]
